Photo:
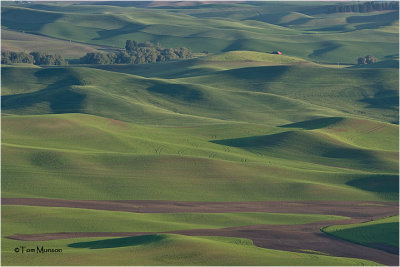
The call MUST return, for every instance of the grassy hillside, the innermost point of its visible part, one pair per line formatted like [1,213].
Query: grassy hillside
[19,41]
[249,56]
[305,31]
[53,220]
[168,249]
[381,234]
[74,151]
[277,94]
[362,92]
[204,65]
[361,133]
[150,101]
[235,123]
[246,126]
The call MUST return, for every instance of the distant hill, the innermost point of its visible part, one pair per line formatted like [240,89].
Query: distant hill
[235,156]
[278,93]
[20,41]
[252,26]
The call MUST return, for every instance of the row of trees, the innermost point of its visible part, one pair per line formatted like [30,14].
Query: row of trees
[366,60]
[365,7]
[137,53]
[41,58]
[134,53]
[37,58]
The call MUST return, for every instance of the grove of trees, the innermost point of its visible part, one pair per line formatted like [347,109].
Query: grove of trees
[363,7]
[366,60]
[37,58]
[134,53]
[8,57]
[41,58]
[137,53]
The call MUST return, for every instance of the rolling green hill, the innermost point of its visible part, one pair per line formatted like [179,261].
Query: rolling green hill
[61,148]
[298,30]
[225,121]
[162,249]
[250,56]
[278,94]
[360,92]
[18,41]
[381,234]
[169,249]
[52,219]
[234,123]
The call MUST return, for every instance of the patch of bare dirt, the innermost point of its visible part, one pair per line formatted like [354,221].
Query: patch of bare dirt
[295,238]
[367,210]
[117,122]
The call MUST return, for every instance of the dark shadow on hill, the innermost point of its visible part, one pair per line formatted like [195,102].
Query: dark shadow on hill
[377,183]
[119,242]
[178,91]
[393,56]
[327,47]
[384,99]
[236,46]
[254,141]
[336,28]
[262,73]
[390,228]
[26,19]
[60,96]
[298,21]
[127,29]
[384,18]
[314,124]
[386,247]
[373,21]
[245,44]
[189,73]
[168,69]
[47,159]
[266,17]
[352,154]
[393,64]
[308,147]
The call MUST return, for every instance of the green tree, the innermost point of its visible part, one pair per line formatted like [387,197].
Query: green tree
[137,53]
[9,57]
[130,45]
[369,59]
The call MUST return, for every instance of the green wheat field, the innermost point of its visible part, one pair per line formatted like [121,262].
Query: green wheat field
[208,159]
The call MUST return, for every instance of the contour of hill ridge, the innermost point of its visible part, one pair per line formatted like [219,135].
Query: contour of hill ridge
[283,118]
[306,32]
[231,126]
[148,162]
[340,158]
[263,94]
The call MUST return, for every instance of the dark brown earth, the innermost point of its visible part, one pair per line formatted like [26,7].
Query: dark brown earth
[385,247]
[357,209]
[281,237]
[302,237]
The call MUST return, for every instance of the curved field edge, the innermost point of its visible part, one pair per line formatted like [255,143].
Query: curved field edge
[252,56]
[167,249]
[57,219]
[380,234]
[155,174]
[240,158]
[264,95]
[258,27]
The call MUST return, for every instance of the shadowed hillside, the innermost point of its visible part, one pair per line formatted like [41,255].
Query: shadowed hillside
[282,122]
[303,30]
